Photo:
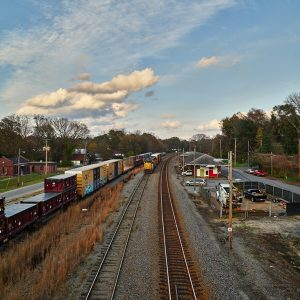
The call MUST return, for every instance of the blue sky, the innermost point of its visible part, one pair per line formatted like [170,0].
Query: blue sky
[173,68]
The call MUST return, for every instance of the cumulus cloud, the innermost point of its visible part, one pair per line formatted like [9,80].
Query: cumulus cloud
[89,97]
[207,61]
[211,125]
[171,124]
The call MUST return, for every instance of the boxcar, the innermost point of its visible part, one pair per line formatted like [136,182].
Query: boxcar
[18,216]
[85,179]
[114,168]
[60,183]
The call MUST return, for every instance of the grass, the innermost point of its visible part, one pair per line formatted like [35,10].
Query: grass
[11,183]
[39,267]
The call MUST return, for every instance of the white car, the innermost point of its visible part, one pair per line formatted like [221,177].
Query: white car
[187,173]
[197,181]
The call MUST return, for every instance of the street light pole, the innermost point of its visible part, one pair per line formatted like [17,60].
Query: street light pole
[235,152]
[230,202]
[194,169]
[220,148]
[19,167]
[248,154]
[271,163]
[46,169]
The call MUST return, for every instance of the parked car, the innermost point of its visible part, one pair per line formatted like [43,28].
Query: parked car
[259,173]
[249,171]
[197,181]
[255,195]
[187,173]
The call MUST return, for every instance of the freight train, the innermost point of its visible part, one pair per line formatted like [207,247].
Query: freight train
[59,191]
[151,162]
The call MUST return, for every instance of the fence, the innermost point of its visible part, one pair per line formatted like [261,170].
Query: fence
[271,190]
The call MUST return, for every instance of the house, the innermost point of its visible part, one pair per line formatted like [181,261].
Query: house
[205,166]
[40,167]
[10,166]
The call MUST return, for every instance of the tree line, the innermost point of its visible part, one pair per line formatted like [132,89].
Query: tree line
[256,131]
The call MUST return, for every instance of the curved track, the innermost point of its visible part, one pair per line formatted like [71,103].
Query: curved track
[104,278]
[178,278]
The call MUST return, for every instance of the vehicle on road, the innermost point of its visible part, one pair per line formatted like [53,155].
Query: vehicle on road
[249,171]
[259,173]
[255,195]
[187,173]
[197,181]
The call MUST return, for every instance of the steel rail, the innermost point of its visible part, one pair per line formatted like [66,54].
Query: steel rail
[163,229]
[113,238]
[183,255]
[179,237]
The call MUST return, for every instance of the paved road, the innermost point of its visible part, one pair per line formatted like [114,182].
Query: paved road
[238,173]
[23,191]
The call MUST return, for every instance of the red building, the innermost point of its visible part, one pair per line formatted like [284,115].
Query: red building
[10,166]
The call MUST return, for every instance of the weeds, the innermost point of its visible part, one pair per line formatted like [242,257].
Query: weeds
[38,267]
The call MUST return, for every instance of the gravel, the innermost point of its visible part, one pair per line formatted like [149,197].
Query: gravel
[139,278]
[237,275]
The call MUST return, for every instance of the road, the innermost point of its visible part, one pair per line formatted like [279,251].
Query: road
[240,174]
[23,191]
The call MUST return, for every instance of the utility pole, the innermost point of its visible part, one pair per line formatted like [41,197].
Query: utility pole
[248,154]
[46,148]
[220,148]
[230,202]
[271,163]
[19,167]
[183,160]
[85,153]
[194,169]
[299,156]
[235,152]
[212,147]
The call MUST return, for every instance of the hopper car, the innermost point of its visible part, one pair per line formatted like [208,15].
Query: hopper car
[61,190]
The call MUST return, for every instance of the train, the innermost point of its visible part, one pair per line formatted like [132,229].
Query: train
[151,162]
[60,190]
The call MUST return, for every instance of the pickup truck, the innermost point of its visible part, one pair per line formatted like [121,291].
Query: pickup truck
[255,195]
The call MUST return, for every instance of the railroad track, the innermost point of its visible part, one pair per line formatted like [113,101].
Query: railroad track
[104,278]
[178,276]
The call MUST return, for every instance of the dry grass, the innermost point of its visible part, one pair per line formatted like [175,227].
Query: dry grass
[38,267]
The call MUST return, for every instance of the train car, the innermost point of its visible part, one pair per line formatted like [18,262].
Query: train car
[156,158]
[100,177]
[114,168]
[47,203]
[60,183]
[85,179]
[17,217]
[2,217]
[148,167]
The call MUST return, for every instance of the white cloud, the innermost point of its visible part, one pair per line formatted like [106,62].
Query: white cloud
[211,125]
[168,116]
[94,98]
[224,61]
[207,61]
[103,37]
[171,124]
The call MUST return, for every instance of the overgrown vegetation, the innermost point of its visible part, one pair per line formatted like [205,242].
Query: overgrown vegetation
[38,267]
